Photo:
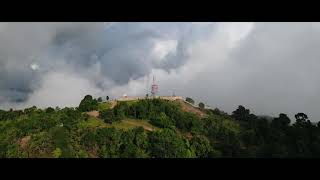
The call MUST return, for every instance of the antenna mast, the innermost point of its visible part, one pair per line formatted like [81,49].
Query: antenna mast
[147,85]
[154,88]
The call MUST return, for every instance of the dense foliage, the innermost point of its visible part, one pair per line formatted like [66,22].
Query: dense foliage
[88,104]
[69,132]
[189,100]
[201,105]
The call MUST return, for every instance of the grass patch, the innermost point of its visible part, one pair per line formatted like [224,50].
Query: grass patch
[92,122]
[103,106]
[127,124]
[130,102]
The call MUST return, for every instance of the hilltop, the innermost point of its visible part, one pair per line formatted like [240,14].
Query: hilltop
[95,115]
[185,106]
[153,128]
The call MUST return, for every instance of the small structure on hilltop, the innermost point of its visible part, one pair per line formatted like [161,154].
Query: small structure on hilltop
[154,91]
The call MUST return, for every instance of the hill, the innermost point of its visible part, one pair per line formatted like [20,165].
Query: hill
[187,107]
[147,128]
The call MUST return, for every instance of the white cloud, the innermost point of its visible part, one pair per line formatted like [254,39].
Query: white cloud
[61,89]
[164,47]
[271,68]
[34,66]
[235,31]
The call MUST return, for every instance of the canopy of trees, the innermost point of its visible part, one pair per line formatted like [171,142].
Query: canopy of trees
[60,133]
[88,104]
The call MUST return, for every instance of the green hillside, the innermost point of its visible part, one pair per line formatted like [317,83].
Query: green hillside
[152,128]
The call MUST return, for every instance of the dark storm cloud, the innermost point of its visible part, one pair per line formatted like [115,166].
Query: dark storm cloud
[278,65]
[271,69]
[123,51]
[274,69]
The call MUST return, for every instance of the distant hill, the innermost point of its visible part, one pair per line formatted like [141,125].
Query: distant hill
[148,128]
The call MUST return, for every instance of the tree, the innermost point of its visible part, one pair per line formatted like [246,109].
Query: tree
[29,110]
[201,146]
[60,139]
[201,105]
[190,100]
[281,122]
[121,110]
[167,144]
[162,121]
[41,145]
[49,110]
[88,104]
[216,111]
[301,120]
[99,99]
[301,117]
[108,116]
[109,142]
[134,144]
[224,134]
[57,153]
[241,114]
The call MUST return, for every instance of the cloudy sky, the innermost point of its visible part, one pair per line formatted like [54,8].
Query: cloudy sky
[270,68]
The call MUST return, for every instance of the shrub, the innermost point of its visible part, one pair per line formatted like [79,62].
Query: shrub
[190,100]
[88,104]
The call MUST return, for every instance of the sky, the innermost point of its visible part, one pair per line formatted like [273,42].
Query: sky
[270,68]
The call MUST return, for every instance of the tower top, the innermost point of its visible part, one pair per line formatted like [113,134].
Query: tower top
[154,88]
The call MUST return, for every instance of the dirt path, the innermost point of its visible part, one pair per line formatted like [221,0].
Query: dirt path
[113,104]
[23,142]
[93,113]
[190,108]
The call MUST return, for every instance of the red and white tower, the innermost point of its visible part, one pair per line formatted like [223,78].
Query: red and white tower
[154,88]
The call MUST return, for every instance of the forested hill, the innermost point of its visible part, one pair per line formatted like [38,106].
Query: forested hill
[153,128]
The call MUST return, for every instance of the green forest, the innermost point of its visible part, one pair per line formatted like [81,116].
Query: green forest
[153,128]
